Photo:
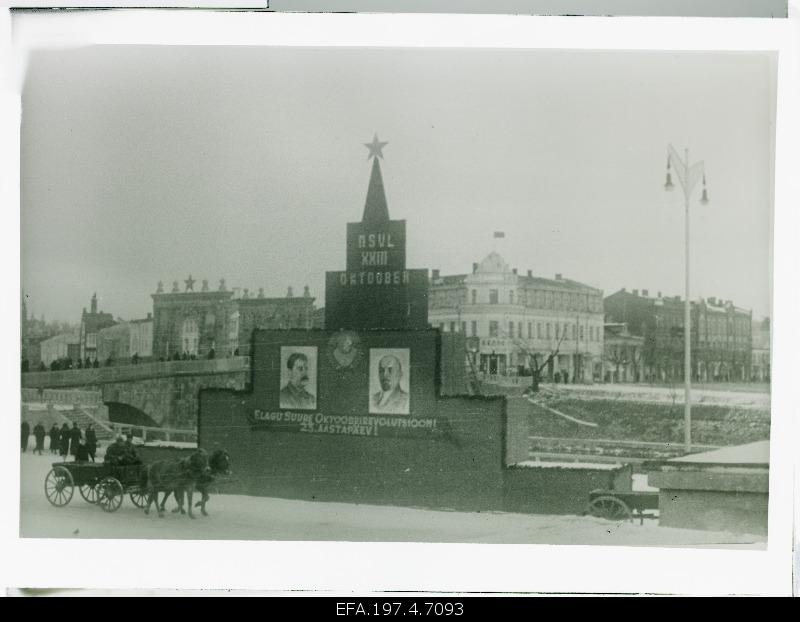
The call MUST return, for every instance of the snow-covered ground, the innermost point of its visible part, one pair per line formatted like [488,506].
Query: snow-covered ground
[238,517]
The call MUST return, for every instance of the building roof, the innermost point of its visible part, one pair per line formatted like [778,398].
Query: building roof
[494,263]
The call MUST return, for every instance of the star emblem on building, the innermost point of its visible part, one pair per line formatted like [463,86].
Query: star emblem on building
[189,283]
[375,148]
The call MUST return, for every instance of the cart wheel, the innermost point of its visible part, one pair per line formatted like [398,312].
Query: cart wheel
[138,498]
[609,508]
[59,486]
[109,494]
[89,492]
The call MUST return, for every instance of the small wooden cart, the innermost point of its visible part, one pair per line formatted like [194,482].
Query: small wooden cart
[619,505]
[101,484]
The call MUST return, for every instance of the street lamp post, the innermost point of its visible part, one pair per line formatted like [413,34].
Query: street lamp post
[688,176]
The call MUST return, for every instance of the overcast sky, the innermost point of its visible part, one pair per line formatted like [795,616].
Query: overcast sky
[146,164]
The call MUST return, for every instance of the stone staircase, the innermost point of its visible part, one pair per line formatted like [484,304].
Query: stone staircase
[83,419]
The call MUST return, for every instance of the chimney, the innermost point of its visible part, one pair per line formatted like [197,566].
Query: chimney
[260,292]
[530,274]
[645,293]
[435,274]
[712,300]
[149,316]
[659,294]
[94,303]
[289,292]
[558,276]
[623,290]
[635,292]
[514,270]
[306,292]
[474,268]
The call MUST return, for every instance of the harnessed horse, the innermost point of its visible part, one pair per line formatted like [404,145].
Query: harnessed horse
[169,475]
[219,464]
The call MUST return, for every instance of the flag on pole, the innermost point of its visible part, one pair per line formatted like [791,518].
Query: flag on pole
[499,234]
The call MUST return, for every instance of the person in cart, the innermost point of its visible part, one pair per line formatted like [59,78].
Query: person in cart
[116,452]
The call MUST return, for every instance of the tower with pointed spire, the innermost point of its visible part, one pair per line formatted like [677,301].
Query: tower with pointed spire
[376,290]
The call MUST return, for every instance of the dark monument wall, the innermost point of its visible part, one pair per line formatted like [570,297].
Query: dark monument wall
[461,470]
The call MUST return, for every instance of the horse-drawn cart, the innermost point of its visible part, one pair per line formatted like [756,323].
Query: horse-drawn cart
[101,484]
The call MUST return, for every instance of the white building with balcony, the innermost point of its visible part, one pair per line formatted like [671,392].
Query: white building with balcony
[518,319]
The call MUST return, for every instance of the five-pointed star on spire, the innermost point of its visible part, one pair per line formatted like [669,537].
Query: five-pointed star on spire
[189,283]
[375,148]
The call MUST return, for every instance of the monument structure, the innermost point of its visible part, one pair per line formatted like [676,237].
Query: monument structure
[355,412]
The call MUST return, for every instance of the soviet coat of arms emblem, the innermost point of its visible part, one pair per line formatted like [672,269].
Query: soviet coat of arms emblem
[345,350]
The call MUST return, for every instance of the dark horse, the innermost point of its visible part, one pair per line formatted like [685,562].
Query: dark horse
[219,464]
[168,475]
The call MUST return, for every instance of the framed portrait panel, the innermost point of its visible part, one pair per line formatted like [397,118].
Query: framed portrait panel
[298,378]
[389,381]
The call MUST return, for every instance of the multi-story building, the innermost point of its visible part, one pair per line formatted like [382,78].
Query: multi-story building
[56,348]
[119,343]
[760,366]
[722,333]
[92,323]
[141,337]
[522,320]
[192,324]
[720,336]
[623,354]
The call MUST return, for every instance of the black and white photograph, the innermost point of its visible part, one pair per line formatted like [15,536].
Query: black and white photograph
[575,246]
[390,381]
[298,378]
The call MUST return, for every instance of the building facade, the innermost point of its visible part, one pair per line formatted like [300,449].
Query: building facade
[760,366]
[190,324]
[522,321]
[721,335]
[56,348]
[92,323]
[623,354]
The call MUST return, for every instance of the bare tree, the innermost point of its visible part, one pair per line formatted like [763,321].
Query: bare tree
[534,358]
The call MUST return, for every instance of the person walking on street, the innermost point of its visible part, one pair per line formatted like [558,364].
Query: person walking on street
[39,433]
[54,435]
[26,432]
[63,441]
[75,438]
[91,441]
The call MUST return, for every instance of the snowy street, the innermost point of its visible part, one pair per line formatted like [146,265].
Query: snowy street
[236,517]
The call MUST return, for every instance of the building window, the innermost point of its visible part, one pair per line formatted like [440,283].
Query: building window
[463,328]
[474,328]
[493,297]
[441,326]
[519,330]
[558,329]
[474,296]
[548,330]
[581,333]
[494,328]
[530,331]
[511,330]
[511,297]
[452,327]
[538,330]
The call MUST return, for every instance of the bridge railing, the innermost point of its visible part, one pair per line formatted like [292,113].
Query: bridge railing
[150,434]
[63,396]
[122,373]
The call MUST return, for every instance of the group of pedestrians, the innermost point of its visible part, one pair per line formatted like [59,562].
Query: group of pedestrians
[64,441]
